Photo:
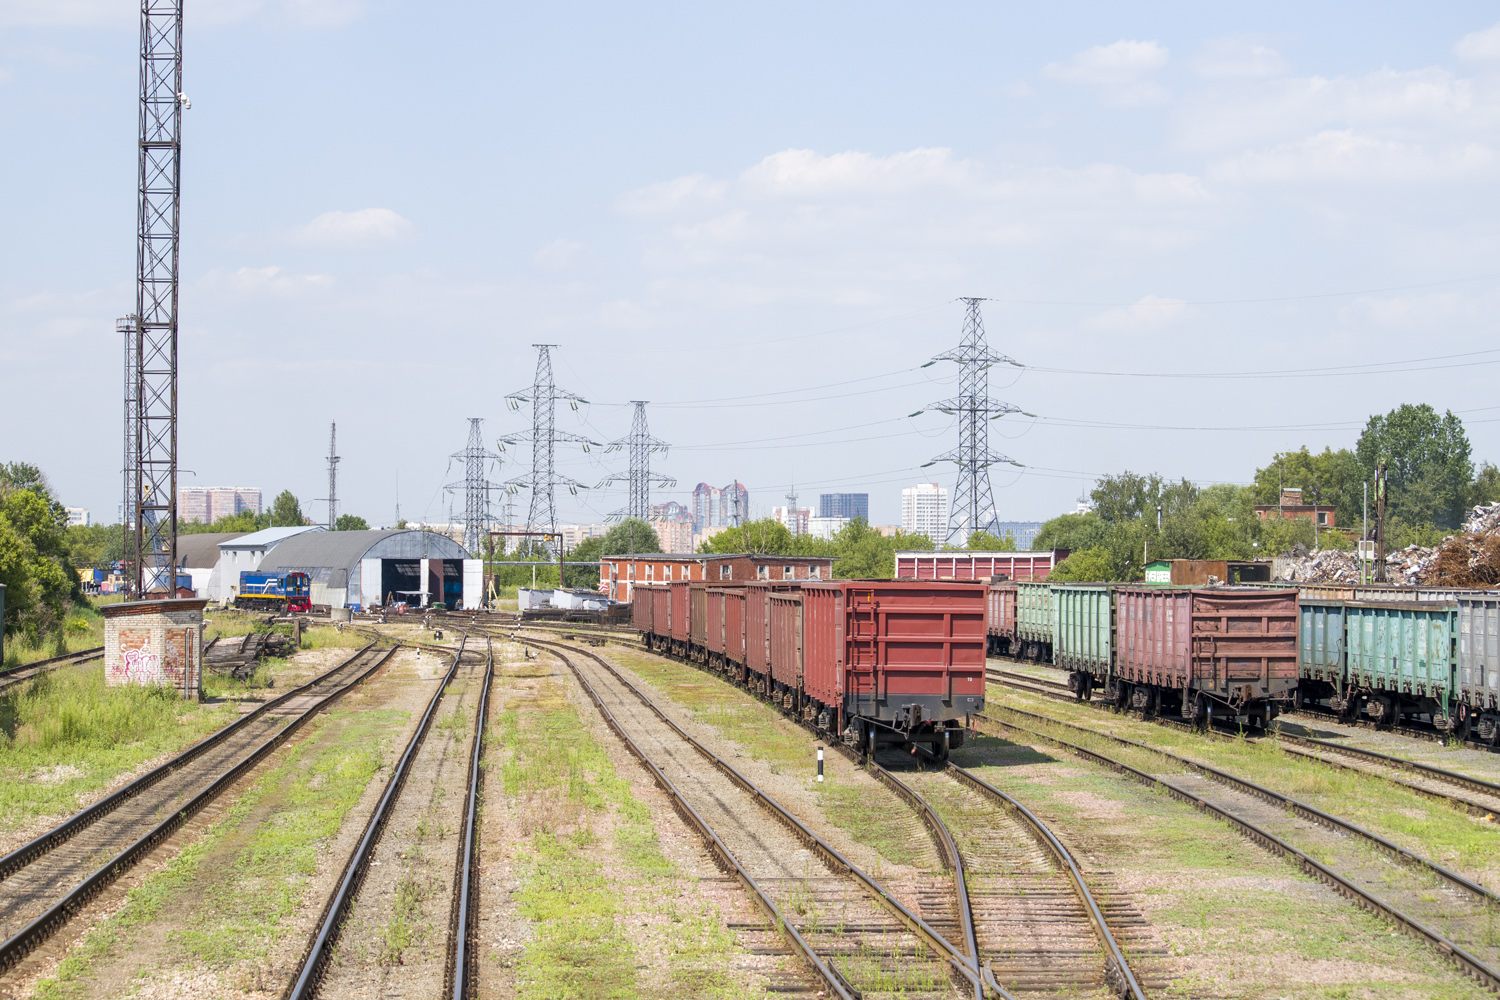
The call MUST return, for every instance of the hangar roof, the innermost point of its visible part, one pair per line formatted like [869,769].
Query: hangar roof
[201,551]
[331,557]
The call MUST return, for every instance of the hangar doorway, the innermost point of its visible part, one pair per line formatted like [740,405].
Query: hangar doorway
[421,582]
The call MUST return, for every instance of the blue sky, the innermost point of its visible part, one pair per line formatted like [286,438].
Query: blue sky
[386,204]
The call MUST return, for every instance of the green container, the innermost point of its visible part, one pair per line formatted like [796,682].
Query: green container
[1320,640]
[1034,612]
[1083,627]
[1408,649]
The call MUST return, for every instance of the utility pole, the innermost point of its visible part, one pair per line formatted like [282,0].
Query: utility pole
[973,507]
[127,325]
[333,477]
[1364,534]
[476,487]
[544,437]
[157,226]
[640,445]
[1380,523]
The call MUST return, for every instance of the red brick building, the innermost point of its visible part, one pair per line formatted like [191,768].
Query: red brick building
[1293,509]
[618,575]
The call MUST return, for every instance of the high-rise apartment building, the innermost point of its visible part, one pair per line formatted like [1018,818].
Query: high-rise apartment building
[209,503]
[714,507]
[671,511]
[845,505]
[924,510]
[795,518]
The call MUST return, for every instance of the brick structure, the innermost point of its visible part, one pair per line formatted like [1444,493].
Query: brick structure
[1292,508]
[619,574]
[155,643]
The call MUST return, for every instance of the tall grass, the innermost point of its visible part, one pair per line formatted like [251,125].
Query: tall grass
[65,733]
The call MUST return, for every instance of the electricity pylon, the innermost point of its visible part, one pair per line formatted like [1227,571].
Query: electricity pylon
[544,479]
[973,507]
[641,446]
[476,488]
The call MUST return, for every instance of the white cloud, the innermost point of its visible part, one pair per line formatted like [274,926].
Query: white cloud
[1150,312]
[1480,45]
[1237,57]
[1346,155]
[366,227]
[559,254]
[1119,70]
[1412,312]
[262,281]
[669,196]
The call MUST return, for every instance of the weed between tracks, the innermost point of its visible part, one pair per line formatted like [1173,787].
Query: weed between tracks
[1434,829]
[1237,920]
[221,900]
[768,736]
[601,896]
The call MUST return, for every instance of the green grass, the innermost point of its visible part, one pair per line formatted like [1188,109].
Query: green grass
[82,629]
[65,733]
[229,891]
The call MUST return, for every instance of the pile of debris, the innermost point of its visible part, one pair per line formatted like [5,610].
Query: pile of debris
[1471,559]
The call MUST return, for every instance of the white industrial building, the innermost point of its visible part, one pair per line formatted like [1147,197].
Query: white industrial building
[362,568]
[924,511]
[238,553]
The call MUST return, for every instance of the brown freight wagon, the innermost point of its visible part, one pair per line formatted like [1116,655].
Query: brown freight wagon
[786,649]
[698,622]
[640,612]
[725,627]
[893,662]
[1203,651]
[679,614]
[1000,617]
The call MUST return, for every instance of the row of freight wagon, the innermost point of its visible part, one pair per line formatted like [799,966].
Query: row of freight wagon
[876,662]
[1253,651]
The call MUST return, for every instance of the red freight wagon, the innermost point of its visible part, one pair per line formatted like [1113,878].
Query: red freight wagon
[786,641]
[713,638]
[731,621]
[698,620]
[977,565]
[893,661]
[661,611]
[757,629]
[678,613]
[1000,617]
[1201,650]
[640,612]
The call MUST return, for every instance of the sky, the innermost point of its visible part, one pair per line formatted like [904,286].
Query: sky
[1205,233]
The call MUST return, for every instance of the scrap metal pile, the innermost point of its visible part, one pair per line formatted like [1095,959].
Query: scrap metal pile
[1470,559]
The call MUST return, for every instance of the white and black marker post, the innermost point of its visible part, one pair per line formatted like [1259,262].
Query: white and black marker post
[820,762]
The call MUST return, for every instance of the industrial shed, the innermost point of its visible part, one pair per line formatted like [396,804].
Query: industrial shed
[363,568]
[240,553]
[198,555]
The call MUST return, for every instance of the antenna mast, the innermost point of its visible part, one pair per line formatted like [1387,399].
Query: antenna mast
[333,477]
[157,221]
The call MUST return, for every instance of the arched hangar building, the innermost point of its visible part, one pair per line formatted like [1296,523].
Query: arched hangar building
[362,568]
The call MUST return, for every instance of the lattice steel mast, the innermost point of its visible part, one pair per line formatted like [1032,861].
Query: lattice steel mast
[157,220]
[333,476]
[126,325]
[973,507]
[641,446]
[476,488]
[544,437]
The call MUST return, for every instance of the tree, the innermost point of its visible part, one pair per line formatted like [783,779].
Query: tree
[286,512]
[1089,566]
[767,536]
[1485,489]
[1331,477]
[1126,497]
[862,553]
[246,521]
[630,535]
[35,565]
[1428,463]
[349,522]
[984,541]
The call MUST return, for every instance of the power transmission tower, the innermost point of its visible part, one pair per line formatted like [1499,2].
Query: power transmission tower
[973,507]
[641,446]
[157,219]
[333,477]
[126,325]
[544,437]
[476,488]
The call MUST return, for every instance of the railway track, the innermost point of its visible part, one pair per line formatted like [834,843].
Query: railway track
[26,671]
[45,882]
[415,808]
[1450,912]
[865,943]
[1021,899]
[1473,795]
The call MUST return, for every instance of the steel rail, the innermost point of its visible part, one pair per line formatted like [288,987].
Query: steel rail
[723,856]
[1281,736]
[87,816]
[961,963]
[462,960]
[319,948]
[1465,959]
[42,927]
[1295,806]
[11,676]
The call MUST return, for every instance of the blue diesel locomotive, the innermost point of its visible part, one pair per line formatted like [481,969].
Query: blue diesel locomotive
[273,591]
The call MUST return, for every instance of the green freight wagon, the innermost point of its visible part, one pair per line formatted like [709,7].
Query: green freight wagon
[1083,634]
[1033,621]
[1402,659]
[1320,651]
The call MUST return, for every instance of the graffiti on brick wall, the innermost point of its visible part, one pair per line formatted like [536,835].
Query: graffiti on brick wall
[138,664]
[178,658]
